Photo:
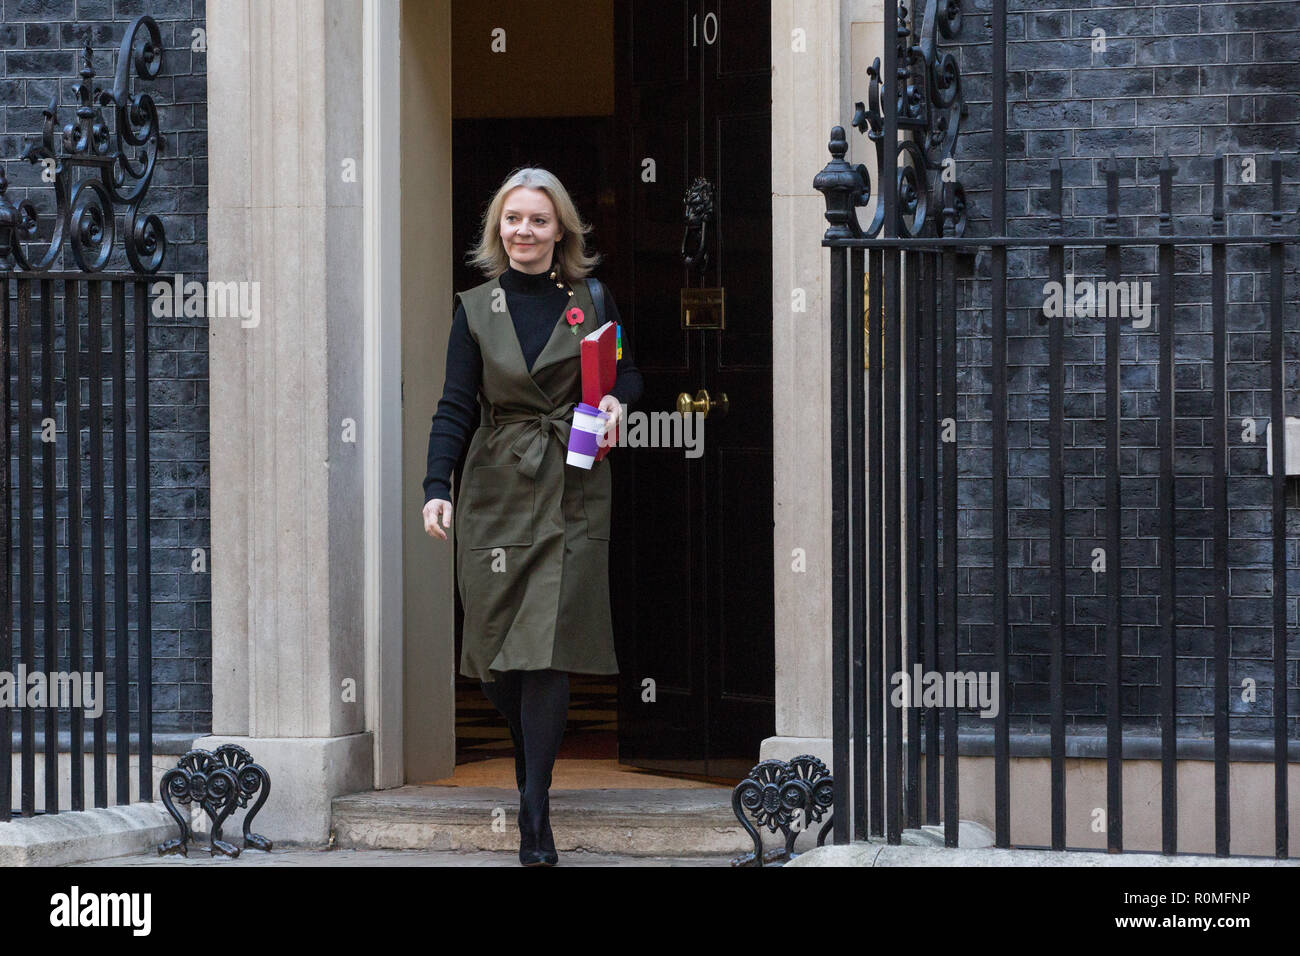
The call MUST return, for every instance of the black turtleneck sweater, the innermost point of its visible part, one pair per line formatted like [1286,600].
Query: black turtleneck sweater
[535,303]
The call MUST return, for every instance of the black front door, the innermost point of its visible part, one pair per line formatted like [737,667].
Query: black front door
[693,563]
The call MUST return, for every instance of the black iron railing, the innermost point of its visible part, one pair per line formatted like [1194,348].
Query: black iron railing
[895,603]
[44,300]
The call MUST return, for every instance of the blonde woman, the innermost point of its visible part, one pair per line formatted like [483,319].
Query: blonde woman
[532,533]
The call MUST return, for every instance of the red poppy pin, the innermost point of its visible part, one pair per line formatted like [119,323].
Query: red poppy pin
[574,317]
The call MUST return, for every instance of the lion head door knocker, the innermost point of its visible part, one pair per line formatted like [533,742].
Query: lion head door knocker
[697,206]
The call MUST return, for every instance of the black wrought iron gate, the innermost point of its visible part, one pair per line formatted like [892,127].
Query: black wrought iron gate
[119,164]
[897,454]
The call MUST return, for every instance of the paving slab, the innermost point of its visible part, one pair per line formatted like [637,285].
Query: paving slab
[76,835]
[874,854]
[302,857]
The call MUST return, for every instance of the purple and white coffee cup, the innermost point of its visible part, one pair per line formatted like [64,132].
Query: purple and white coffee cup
[584,436]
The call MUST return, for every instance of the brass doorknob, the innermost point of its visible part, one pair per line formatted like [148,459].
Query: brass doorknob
[701,403]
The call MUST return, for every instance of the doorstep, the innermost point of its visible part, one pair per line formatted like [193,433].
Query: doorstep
[309,857]
[658,822]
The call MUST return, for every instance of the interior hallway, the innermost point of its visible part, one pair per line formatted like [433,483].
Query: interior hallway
[588,758]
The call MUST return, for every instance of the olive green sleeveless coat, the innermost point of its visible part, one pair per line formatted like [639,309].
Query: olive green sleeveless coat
[532,532]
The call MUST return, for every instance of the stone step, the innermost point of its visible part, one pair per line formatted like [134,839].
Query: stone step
[651,822]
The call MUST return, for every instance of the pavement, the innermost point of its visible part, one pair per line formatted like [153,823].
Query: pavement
[854,855]
[875,854]
[296,856]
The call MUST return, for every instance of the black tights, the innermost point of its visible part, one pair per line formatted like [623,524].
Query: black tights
[535,705]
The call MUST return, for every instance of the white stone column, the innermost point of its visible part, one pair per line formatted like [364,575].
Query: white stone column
[811,92]
[287,418]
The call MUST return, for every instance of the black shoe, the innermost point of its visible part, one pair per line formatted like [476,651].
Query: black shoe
[530,852]
[546,839]
[531,830]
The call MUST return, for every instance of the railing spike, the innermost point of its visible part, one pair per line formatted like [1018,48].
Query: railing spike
[1275,170]
[1112,194]
[1166,195]
[1219,176]
[1057,198]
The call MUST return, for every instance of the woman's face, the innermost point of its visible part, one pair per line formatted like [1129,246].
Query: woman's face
[529,229]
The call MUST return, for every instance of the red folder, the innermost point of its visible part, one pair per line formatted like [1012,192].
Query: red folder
[599,371]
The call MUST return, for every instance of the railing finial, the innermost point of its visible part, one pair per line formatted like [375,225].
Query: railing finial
[844,187]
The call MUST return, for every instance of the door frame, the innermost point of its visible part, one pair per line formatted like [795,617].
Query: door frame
[802,673]
[379,172]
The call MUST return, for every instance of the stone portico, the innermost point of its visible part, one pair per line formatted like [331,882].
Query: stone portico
[317,448]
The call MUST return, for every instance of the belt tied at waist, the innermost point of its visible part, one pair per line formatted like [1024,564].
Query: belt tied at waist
[531,445]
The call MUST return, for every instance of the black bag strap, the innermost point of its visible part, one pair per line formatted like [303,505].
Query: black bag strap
[597,290]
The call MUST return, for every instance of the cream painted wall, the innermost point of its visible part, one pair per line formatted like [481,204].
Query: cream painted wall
[429,670]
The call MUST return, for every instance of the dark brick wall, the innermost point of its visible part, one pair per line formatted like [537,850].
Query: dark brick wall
[40,55]
[1187,78]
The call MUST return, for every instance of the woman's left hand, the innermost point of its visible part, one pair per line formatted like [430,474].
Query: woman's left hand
[609,404]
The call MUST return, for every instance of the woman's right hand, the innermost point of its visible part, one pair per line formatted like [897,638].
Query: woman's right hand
[434,510]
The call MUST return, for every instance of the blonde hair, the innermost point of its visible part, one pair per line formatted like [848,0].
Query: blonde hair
[572,260]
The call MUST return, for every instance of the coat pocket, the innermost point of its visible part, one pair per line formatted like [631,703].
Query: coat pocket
[597,500]
[499,513]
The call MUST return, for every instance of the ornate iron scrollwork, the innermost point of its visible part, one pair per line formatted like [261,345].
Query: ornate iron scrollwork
[84,218]
[789,797]
[697,207]
[219,781]
[929,108]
